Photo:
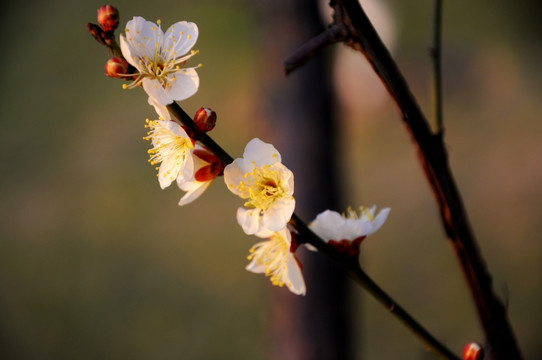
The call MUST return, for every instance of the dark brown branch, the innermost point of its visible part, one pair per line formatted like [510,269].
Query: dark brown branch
[437,73]
[434,160]
[332,35]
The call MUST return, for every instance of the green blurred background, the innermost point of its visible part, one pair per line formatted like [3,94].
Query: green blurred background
[96,262]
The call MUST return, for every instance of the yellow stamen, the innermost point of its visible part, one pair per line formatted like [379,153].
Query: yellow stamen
[272,255]
[262,188]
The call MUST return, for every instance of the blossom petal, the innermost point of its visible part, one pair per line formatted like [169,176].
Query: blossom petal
[193,189]
[326,225]
[254,267]
[183,84]
[141,37]
[144,35]
[156,90]
[160,109]
[249,220]
[296,284]
[181,37]
[175,128]
[187,170]
[266,233]
[234,174]
[168,172]
[127,52]
[379,220]
[261,153]
[278,214]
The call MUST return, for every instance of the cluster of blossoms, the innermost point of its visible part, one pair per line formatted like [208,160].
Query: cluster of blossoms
[155,61]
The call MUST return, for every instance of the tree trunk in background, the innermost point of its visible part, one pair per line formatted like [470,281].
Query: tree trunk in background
[299,112]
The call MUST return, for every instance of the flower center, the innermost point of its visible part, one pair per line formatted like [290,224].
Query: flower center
[272,255]
[262,188]
[167,146]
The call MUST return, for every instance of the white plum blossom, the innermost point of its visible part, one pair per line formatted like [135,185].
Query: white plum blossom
[207,167]
[347,231]
[275,258]
[171,148]
[160,58]
[266,184]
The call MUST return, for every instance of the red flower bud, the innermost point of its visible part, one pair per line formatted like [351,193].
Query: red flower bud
[116,67]
[205,119]
[211,171]
[473,351]
[108,18]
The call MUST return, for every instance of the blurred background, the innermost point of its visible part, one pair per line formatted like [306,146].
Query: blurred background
[96,262]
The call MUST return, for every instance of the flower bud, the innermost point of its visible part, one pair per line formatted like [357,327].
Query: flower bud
[473,351]
[116,67]
[96,32]
[205,119]
[108,18]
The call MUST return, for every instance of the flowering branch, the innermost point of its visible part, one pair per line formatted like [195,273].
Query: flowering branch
[434,160]
[155,61]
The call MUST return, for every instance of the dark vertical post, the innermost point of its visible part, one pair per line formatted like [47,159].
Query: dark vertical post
[299,112]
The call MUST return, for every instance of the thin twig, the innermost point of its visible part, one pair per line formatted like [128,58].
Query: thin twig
[332,35]
[434,160]
[437,72]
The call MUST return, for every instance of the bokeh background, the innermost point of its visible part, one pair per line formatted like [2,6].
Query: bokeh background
[96,262]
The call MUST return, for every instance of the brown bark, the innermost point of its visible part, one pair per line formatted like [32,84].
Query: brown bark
[299,112]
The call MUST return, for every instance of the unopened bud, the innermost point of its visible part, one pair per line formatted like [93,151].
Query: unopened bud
[116,67]
[96,32]
[108,18]
[205,119]
[473,351]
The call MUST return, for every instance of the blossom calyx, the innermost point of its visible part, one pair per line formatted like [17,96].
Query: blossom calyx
[108,18]
[205,119]
[207,166]
[117,67]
